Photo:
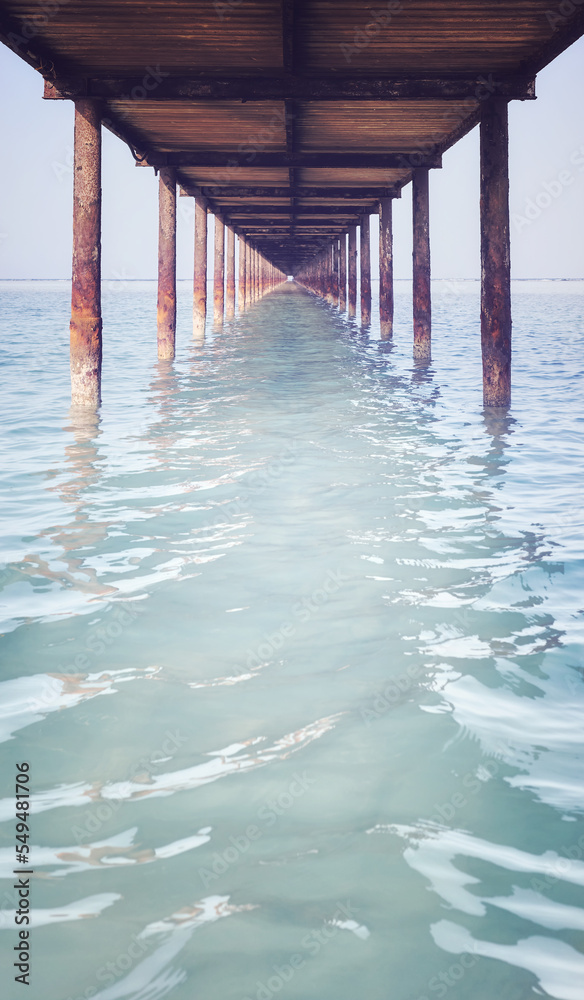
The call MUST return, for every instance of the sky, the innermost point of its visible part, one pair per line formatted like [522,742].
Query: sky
[546,189]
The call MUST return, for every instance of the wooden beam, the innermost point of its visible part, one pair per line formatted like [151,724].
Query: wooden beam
[300,190]
[236,211]
[495,255]
[231,159]
[337,87]
[288,35]
[86,324]
[200,270]
[385,269]
[422,304]
[365,255]
[166,312]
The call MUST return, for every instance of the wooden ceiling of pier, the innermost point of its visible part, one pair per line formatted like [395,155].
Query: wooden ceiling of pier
[292,117]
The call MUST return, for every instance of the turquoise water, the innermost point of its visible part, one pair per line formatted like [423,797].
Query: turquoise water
[292,642]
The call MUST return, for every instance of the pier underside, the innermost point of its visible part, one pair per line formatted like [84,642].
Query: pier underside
[293,122]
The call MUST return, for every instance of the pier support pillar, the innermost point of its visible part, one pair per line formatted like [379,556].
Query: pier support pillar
[219,272]
[230,274]
[330,257]
[365,272]
[495,254]
[352,272]
[421,265]
[247,254]
[166,312]
[200,271]
[85,326]
[336,262]
[241,280]
[343,274]
[386,269]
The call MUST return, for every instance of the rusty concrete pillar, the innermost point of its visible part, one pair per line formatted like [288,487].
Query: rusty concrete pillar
[85,326]
[248,275]
[365,247]
[230,274]
[330,274]
[343,274]
[219,272]
[385,269]
[200,270]
[422,305]
[241,277]
[352,272]
[495,254]
[336,260]
[166,312]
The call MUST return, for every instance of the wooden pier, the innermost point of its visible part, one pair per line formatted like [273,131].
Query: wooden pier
[292,123]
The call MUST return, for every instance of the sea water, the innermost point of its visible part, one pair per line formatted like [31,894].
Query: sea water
[292,646]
